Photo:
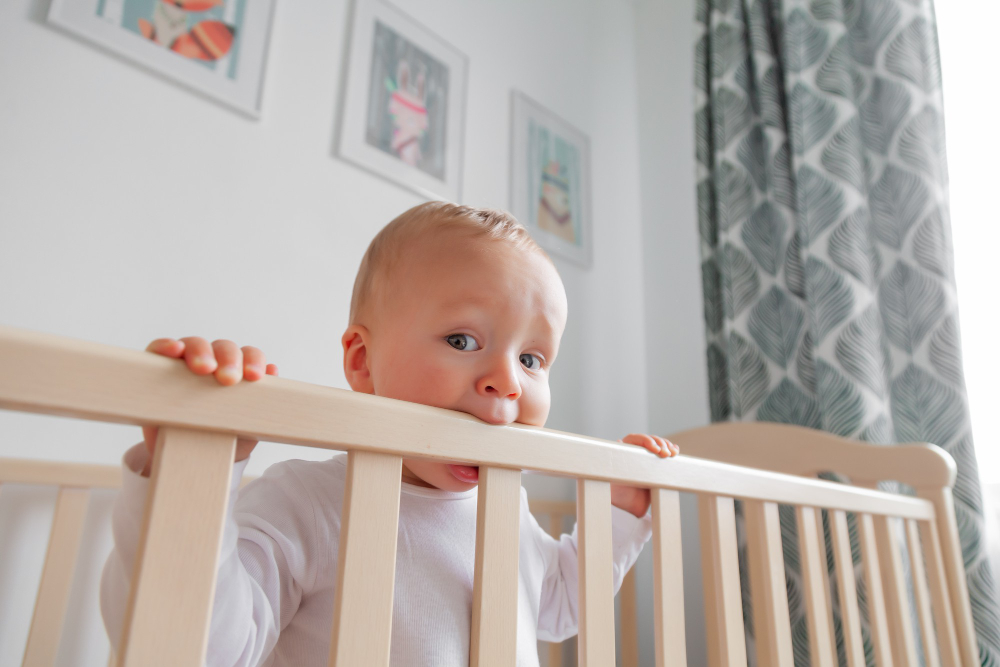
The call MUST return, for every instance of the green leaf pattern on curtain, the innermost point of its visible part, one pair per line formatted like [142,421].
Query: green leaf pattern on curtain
[827,268]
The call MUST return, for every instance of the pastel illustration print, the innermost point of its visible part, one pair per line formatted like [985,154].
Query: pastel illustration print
[407,106]
[553,206]
[205,40]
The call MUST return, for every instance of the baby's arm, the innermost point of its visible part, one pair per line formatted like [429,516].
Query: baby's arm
[630,530]
[261,567]
[558,611]
[631,499]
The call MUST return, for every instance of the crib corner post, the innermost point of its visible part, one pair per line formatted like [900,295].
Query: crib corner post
[954,567]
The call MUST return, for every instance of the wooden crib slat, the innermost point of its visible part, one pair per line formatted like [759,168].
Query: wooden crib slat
[954,567]
[555,649]
[366,566]
[921,595]
[721,582]
[877,620]
[772,627]
[668,579]
[494,591]
[596,641]
[173,583]
[847,589]
[57,577]
[827,586]
[944,621]
[897,602]
[822,650]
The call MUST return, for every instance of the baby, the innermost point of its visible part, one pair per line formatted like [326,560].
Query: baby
[452,307]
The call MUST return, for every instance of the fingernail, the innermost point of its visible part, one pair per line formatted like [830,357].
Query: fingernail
[230,373]
[253,370]
[204,363]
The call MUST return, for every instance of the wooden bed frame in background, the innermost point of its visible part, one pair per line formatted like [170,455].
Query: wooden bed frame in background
[167,621]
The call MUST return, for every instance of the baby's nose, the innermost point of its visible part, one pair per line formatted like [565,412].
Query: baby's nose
[501,382]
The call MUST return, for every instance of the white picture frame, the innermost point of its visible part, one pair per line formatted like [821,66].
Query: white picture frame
[220,51]
[403,111]
[550,187]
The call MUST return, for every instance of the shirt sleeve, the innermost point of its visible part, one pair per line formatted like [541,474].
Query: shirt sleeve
[269,529]
[558,612]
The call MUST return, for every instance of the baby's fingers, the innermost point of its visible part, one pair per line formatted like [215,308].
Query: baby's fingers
[199,356]
[230,360]
[668,448]
[254,363]
[167,347]
[642,440]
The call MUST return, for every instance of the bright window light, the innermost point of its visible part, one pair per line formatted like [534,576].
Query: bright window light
[969,42]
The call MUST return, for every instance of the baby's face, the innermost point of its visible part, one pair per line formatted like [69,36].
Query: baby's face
[474,326]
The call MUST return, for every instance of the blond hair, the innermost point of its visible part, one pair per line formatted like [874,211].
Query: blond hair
[420,221]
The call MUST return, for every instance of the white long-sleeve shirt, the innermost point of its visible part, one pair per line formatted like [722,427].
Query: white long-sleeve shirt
[278,569]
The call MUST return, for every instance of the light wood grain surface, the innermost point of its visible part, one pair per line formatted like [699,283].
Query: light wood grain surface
[720,571]
[494,591]
[366,564]
[668,580]
[56,375]
[173,582]
[596,641]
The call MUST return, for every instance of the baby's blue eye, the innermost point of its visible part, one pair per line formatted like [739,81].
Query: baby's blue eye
[462,342]
[530,361]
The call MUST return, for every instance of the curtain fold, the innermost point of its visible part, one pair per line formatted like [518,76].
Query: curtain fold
[827,262]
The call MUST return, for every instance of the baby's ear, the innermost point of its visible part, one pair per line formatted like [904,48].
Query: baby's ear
[355,342]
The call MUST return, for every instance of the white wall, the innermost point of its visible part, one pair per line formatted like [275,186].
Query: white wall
[131,208]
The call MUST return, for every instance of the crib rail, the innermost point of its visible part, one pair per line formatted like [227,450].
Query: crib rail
[168,620]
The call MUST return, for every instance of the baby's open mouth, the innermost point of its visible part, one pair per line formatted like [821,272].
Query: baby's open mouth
[463,473]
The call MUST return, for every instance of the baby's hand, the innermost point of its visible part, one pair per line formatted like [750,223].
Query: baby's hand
[225,360]
[630,498]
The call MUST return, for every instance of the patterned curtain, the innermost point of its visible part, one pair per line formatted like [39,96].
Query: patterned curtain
[827,265]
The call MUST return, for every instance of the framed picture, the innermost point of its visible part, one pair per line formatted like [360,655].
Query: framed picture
[404,102]
[216,47]
[550,180]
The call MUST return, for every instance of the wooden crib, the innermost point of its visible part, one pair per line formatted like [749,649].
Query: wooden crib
[171,594]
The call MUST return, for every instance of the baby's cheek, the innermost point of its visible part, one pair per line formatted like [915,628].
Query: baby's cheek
[534,405]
